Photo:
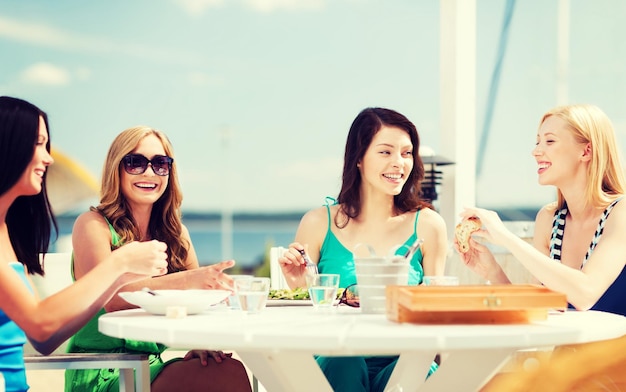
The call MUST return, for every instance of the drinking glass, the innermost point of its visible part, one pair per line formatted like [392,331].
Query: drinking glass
[322,289]
[373,275]
[252,294]
[233,300]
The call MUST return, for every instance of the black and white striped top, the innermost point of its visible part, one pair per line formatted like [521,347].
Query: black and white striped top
[558,228]
[614,298]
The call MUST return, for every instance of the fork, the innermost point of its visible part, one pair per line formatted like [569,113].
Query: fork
[147,290]
[311,267]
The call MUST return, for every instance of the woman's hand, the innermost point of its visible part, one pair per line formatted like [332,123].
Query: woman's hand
[204,356]
[293,265]
[481,261]
[493,229]
[210,277]
[143,259]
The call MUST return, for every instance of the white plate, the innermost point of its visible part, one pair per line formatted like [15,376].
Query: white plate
[195,301]
[293,302]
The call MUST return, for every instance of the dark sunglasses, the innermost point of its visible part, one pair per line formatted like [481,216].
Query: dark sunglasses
[137,164]
[350,296]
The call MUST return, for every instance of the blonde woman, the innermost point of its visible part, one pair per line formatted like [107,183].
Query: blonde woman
[140,200]
[579,245]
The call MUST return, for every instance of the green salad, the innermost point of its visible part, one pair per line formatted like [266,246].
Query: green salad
[297,293]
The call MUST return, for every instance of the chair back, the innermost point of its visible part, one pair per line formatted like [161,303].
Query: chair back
[58,274]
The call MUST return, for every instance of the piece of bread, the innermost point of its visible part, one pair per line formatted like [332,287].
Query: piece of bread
[464,230]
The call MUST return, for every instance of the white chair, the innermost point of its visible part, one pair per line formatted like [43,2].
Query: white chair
[134,369]
[277,279]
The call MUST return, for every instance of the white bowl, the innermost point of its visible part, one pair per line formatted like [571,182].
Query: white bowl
[373,265]
[195,301]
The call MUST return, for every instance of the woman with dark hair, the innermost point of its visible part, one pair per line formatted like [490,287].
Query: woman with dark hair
[26,221]
[141,199]
[379,205]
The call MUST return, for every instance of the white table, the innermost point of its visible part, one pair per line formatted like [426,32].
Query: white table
[278,345]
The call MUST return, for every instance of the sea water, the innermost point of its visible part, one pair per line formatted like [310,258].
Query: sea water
[252,236]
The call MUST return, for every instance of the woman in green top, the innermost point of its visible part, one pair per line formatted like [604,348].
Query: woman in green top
[140,200]
[379,204]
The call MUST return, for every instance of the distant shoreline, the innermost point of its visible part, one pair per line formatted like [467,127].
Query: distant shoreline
[506,214]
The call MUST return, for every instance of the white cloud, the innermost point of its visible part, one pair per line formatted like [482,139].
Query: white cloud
[197,7]
[46,74]
[52,37]
[82,73]
[40,34]
[291,5]
[200,79]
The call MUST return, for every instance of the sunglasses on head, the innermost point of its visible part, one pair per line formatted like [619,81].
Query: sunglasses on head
[350,296]
[138,164]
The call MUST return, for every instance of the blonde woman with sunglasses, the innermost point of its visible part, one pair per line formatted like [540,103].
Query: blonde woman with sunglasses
[140,199]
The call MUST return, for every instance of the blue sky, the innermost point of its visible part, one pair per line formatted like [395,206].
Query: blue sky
[257,95]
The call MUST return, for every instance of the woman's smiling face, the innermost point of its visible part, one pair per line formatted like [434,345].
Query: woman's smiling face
[30,182]
[145,188]
[388,161]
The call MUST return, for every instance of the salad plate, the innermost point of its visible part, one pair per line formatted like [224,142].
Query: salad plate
[194,301]
[296,297]
[289,302]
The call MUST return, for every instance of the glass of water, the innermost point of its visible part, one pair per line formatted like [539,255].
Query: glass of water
[252,294]
[233,299]
[323,289]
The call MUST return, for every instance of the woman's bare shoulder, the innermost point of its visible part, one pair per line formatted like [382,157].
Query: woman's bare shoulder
[545,214]
[89,218]
[317,216]
[313,226]
[431,218]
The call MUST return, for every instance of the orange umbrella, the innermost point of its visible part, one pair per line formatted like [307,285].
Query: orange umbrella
[69,184]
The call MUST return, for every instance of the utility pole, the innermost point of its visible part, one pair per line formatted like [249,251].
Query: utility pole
[226,208]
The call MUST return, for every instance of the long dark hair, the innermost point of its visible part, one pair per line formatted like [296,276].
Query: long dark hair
[362,131]
[29,219]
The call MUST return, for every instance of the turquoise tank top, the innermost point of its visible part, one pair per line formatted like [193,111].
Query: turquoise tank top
[12,340]
[337,259]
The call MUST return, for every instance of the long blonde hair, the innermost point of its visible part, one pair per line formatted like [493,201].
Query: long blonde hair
[165,219]
[589,124]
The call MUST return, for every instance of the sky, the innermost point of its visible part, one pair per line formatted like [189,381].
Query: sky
[257,96]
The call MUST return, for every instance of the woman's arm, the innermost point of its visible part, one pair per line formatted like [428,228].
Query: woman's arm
[583,287]
[432,229]
[91,241]
[50,322]
[309,237]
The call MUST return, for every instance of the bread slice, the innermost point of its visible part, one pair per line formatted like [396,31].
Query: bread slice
[464,230]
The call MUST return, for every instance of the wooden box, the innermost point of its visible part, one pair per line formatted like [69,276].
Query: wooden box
[471,304]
